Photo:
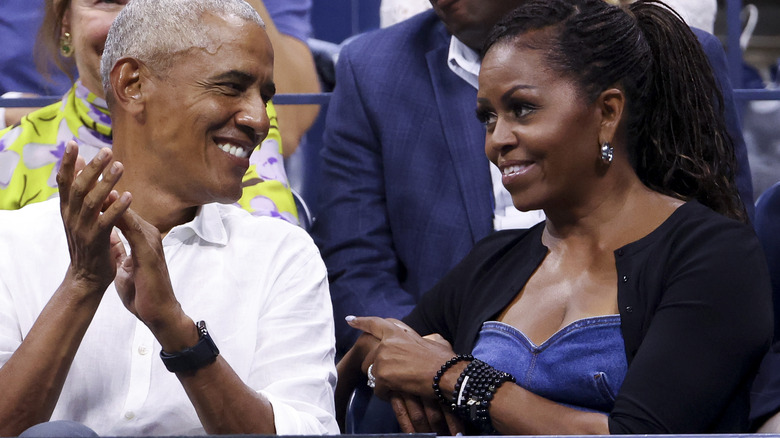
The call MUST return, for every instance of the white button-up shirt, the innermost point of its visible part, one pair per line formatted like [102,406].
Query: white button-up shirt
[259,283]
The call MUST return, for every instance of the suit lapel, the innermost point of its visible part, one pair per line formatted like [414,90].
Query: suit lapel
[465,139]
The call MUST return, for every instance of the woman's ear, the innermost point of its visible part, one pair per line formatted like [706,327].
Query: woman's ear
[612,103]
[65,23]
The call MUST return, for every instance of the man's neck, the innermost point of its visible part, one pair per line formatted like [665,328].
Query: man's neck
[157,207]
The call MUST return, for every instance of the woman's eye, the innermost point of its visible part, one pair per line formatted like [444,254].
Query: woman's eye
[521,111]
[487,118]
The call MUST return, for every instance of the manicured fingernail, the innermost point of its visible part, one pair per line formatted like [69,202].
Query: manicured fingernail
[100,155]
[68,147]
[350,318]
[114,168]
[125,197]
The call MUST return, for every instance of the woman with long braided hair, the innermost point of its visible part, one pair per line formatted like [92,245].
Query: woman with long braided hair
[642,304]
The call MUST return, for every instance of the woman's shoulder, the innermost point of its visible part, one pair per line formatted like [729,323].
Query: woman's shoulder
[696,226]
[34,127]
[505,240]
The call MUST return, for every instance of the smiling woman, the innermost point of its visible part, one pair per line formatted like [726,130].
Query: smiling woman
[74,33]
[642,303]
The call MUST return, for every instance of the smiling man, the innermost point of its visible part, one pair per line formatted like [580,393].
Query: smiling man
[147,251]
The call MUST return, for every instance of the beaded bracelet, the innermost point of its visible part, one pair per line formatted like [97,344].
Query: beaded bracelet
[474,392]
[447,365]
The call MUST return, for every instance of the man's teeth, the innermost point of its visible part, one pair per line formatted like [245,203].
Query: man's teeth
[234,150]
[513,169]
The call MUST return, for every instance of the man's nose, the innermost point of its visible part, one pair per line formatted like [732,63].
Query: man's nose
[255,117]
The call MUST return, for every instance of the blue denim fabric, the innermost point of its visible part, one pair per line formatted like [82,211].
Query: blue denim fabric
[581,365]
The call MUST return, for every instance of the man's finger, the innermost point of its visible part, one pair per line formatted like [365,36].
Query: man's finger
[103,194]
[118,252]
[85,181]
[66,172]
[112,214]
[138,233]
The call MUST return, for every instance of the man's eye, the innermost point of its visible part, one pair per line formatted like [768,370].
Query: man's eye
[232,87]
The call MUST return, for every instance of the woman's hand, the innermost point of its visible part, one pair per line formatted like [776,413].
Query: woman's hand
[403,361]
[420,415]
[90,207]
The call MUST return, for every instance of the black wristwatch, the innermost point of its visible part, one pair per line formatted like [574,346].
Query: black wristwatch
[193,358]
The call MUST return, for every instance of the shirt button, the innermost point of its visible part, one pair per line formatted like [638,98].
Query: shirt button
[129,415]
[625,279]
[143,350]
[629,309]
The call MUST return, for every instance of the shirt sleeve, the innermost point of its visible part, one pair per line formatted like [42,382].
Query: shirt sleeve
[294,358]
[705,340]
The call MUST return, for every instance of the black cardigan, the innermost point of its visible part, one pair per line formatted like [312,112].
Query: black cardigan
[695,307]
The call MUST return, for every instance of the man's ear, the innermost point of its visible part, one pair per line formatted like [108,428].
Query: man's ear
[612,103]
[126,79]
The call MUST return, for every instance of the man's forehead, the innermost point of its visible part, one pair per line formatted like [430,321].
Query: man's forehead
[232,50]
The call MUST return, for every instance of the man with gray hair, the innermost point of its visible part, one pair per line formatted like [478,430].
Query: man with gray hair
[147,250]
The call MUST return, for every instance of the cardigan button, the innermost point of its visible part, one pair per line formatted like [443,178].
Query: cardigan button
[620,252]
[629,309]
[625,279]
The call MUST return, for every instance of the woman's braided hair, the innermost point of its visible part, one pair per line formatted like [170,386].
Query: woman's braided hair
[677,138]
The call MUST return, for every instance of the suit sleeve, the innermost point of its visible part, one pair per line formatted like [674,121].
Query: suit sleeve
[705,340]
[352,228]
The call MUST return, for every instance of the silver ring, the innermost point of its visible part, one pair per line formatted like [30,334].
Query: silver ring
[371,379]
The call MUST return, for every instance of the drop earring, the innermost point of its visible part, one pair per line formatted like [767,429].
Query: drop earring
[66,45]
[606,152]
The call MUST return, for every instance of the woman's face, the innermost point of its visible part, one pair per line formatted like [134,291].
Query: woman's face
[541,133]
[88,22]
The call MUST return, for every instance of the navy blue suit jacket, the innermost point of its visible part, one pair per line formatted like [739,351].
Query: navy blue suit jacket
[405,189]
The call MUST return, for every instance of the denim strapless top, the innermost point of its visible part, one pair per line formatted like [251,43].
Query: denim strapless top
[582,365]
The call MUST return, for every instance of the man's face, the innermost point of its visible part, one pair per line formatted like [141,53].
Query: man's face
[471,20]
[207,113]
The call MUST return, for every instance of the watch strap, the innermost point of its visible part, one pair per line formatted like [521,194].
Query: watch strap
[195,357]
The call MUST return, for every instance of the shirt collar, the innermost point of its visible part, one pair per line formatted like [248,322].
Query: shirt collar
[464,62]
[207,225]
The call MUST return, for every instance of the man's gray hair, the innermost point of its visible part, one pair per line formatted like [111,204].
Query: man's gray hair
[153,31]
